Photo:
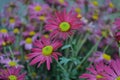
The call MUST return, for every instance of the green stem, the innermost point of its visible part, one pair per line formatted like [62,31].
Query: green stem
[5,52]
[61,66]
[107,47]
[64,71]
[80,44]
[119,51]
[29,70]
[89,53]
[12,54]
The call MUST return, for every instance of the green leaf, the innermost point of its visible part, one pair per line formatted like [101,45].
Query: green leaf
[64,60]
[66,46]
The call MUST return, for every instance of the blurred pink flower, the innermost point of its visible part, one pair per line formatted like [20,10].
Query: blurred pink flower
[3,33]
[10,63]
[12,74]
[57,2]
[112,72]
[100,56]
[62,24]
[95,72]
[117,23]
[44,51]
[36,8]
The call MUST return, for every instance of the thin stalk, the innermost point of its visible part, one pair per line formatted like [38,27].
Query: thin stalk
[64,71]
[119,51]
[81,44]
[89,53]
[107,47]
[12,54]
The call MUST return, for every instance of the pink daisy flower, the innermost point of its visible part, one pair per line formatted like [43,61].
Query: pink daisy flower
[100,56]
[62,24]
[12,74]
[3,32]
[44,51]
[6,40]
[27,43]
[36,8]
[13,21]
[117,23]
[10,63]
[95,72]
[112,72]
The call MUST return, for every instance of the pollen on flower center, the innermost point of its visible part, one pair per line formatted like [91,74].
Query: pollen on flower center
[32,33]
[118,78]
[12,20]
[106,57]
[61,1]
[28,40]
[16,30]
[78,10]
[42,18]
[12,63]
[12,77]
[99,76]
[47,50]
[3,31]
[64,26]
[37,8]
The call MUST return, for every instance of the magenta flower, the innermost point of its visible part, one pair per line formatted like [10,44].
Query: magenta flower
[6,40]
[100,56]
[29,36]
[117,37]
[10,63]
[62,24]
[44,51]
[13,21]
[12,74]
[117,23]
[36,8]
[95,72]
[57,2]
[112,72]
[27,43]
[3,32]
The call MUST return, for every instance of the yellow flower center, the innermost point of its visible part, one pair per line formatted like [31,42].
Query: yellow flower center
[99,76]
[47,50]
[32,33]
[3,31]
[95,3]
[12,20]
[37,8]
[12,63]
[79,16]
[64,26]
[4,43]
[111,5]
[28,40]
[42,18]
[106,57]
[16,30]
[12,77]
[95,17]
[46,35]
[105,33]
[34,74]
[118,78]
[61,1]
[78,10]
